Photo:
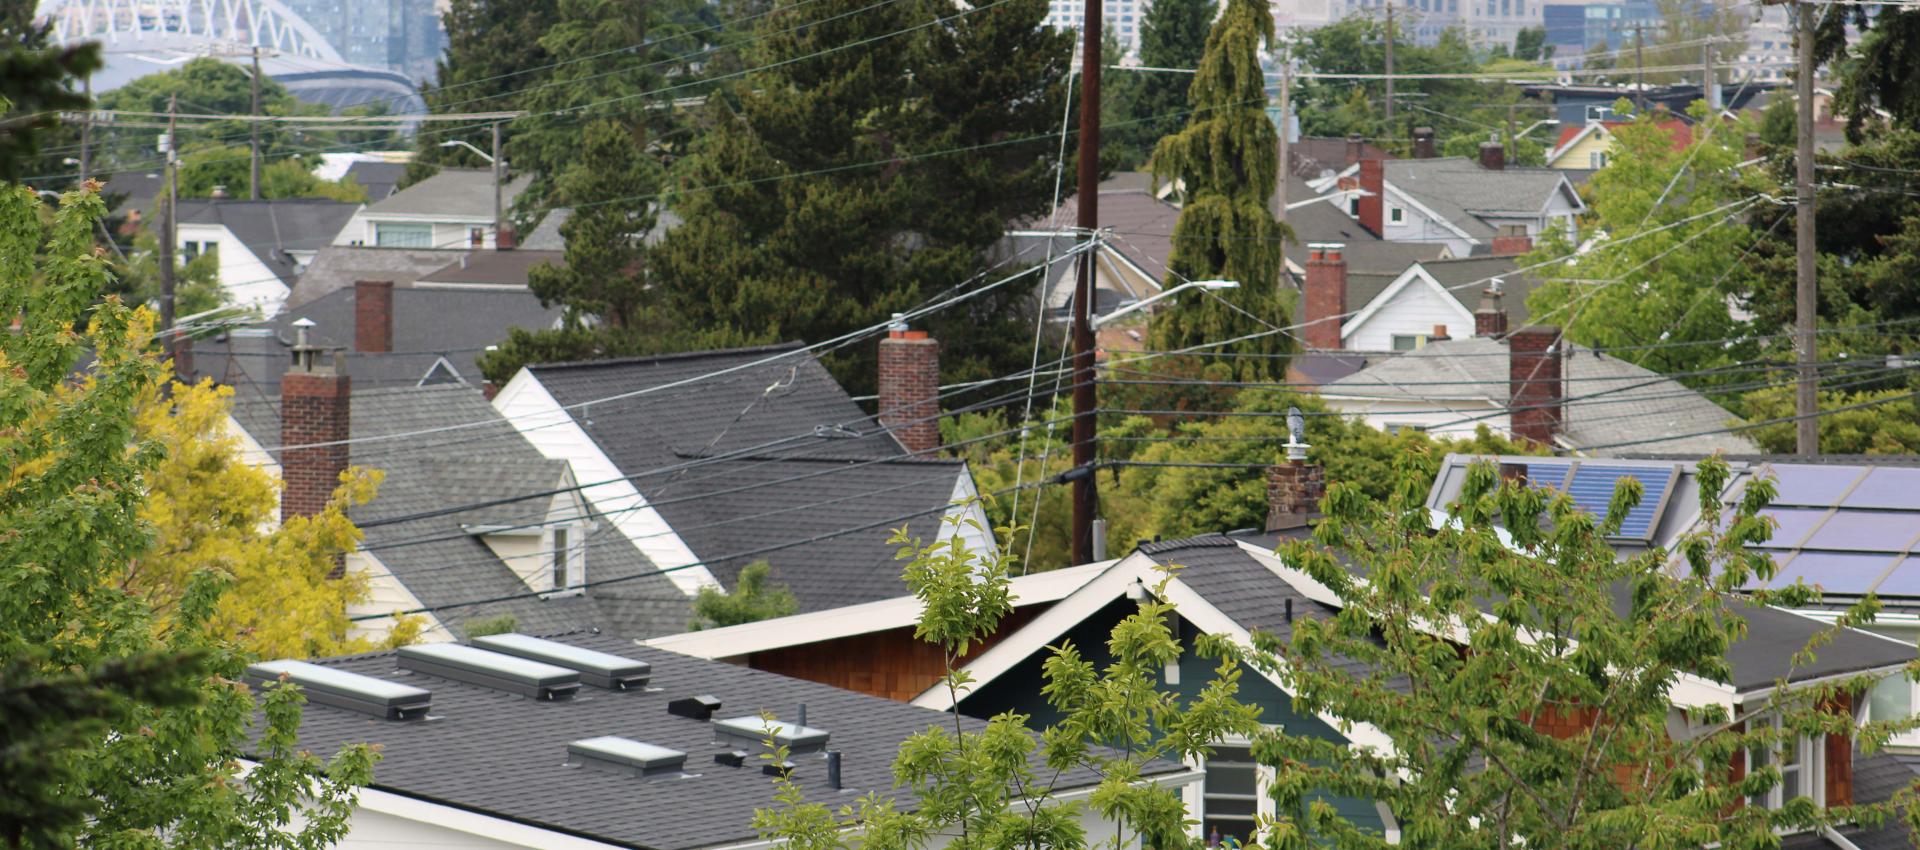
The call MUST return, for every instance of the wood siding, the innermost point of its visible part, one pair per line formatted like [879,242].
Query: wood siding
[892,664]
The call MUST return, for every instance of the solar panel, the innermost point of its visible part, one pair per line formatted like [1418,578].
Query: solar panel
[1887,487]
[1835,572]
[600,669]
[1794,523]
[1592,490]
[1864,531]
[1811,485]
[1904,580]
[348,690]
[1548,476]
[490,669]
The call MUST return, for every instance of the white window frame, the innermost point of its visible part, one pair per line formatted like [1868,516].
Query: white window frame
[1596,159]
[1396,215]
[1810,778]
[567,559]
[1911,737]
[1196,793]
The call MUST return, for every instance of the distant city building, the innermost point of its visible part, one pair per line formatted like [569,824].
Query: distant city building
[1121,17]
[1487,22]
[1577,28]
[398,35]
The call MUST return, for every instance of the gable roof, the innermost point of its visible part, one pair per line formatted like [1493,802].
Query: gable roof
[458,192]
[1365,253]
[380,179]
[493,268]
[1680,131]
[545,236]
[270,229]
[1461,192]
[504,755]
[1608,400]
[336,267]
[796,473]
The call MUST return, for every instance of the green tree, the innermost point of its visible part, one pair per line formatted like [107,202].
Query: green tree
[1457,640]
[1668,224]
[490,59]
[832,196]
[37,82]
[152,764]
[204,86]
[1867,422]
[754,598]
[208,165]
[1357,45]
[1530,45]
[1173,34]
[1223,166]
[996,785]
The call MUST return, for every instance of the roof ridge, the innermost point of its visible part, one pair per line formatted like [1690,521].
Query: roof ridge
[791,345]
[1209,540]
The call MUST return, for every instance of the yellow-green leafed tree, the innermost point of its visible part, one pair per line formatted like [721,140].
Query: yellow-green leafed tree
[210,510]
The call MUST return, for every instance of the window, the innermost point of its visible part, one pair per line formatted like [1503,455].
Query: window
[402,235]
[1353,206]
[1408,342]
[562,554]
[191,249]
[1396,215]
[1232,796]
[476,237]
[1597,159]
[1396,427]
[1893,699]
[1799,761]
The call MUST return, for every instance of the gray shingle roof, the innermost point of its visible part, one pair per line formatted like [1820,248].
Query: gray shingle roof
[506,756]
[380,179]
[455,468]
[826,502]
[1364,252]
[452,192]
[1465,277]
[272,228]
[545,236]
[1459,190]
[493,268]
[1609,400]
[338,266]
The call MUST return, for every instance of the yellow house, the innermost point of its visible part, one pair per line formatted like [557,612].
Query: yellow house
[1589,147]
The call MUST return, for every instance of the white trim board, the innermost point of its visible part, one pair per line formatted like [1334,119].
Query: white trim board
[1393,290]
[538,416]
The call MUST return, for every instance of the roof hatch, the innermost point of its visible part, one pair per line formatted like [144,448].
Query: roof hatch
[639,756]
[600,669]
[754,731]
[490,669]
[343,689]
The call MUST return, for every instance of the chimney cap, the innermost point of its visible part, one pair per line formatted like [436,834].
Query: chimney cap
[898,324]
[303,323]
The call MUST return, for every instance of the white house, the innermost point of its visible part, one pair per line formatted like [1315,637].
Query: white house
[262,246]
[1473,206]
[452,209]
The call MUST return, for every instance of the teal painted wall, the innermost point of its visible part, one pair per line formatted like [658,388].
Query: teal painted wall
[1018,690]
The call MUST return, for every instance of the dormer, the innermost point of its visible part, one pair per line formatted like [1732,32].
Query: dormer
[545,543]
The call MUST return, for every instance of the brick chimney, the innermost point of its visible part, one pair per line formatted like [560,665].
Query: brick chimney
[1493,156]
[1491,318]
[314,408]
[1294,490]
[1512,241]
[910,387]
[1439,334]
[1356,148]
[1534,405]
[1373,181]
[1325,295]
[504,238]
[1423,147]
[372,315]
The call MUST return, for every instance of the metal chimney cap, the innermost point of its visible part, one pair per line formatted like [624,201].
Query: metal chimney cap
[304,322]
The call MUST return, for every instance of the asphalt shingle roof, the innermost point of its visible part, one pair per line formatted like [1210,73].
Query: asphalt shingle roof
[336,267]
[505,755]
[378,178]
[813,485]
[1609,400]
[270,229]
[493,268]
[458,192]
[1364,252]
[1459,190]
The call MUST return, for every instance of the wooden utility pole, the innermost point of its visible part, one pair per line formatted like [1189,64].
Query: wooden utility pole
[1390,62]
[499,217]
[255,124]
[1639,72]
[1085,496]
[1807,392]
[167,228]
[1286,120]
[86,133]
[1709,85]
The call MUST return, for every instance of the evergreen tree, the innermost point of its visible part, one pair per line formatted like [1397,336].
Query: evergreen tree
[36,82]
[851,184]
[491,57]
[1223,164]
[1173,34]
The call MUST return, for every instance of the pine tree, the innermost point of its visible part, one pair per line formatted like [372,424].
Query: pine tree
[832,195]
[1223,165]
[491,57]
[1173,34]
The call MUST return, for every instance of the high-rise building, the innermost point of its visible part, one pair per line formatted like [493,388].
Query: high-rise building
[398,35]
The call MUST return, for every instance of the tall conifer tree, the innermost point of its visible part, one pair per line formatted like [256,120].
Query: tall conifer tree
[491,57]
[1173,34]
[1223,163]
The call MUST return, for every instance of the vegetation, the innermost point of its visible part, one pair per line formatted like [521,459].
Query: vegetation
[483,626]
[1149,106]
[122,723]
[37,81]
[1524,692]
[754,598]
[490,58]
[997,784]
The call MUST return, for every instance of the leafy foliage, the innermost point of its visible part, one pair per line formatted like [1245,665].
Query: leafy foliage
[753,599]
[147,763]
[490,58]
[1868,422]
[37,82]
[1465,653]
[997,785]
[1222,165]
[205,166]
[1148,106]
[205,86]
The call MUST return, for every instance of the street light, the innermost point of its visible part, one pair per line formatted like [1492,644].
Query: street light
[494,160]
[462,143]
[1142,303]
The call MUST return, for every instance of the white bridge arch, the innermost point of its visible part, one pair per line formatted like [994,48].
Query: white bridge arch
[241,23]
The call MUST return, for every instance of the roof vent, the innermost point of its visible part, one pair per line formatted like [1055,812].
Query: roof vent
[491,670]
[701,707]
[731,758]
[351,691]
[638,756]
[599,669]
[755,731]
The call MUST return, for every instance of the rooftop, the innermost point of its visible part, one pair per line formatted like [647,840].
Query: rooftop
[1459,190]
[272,228]
[454,192]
